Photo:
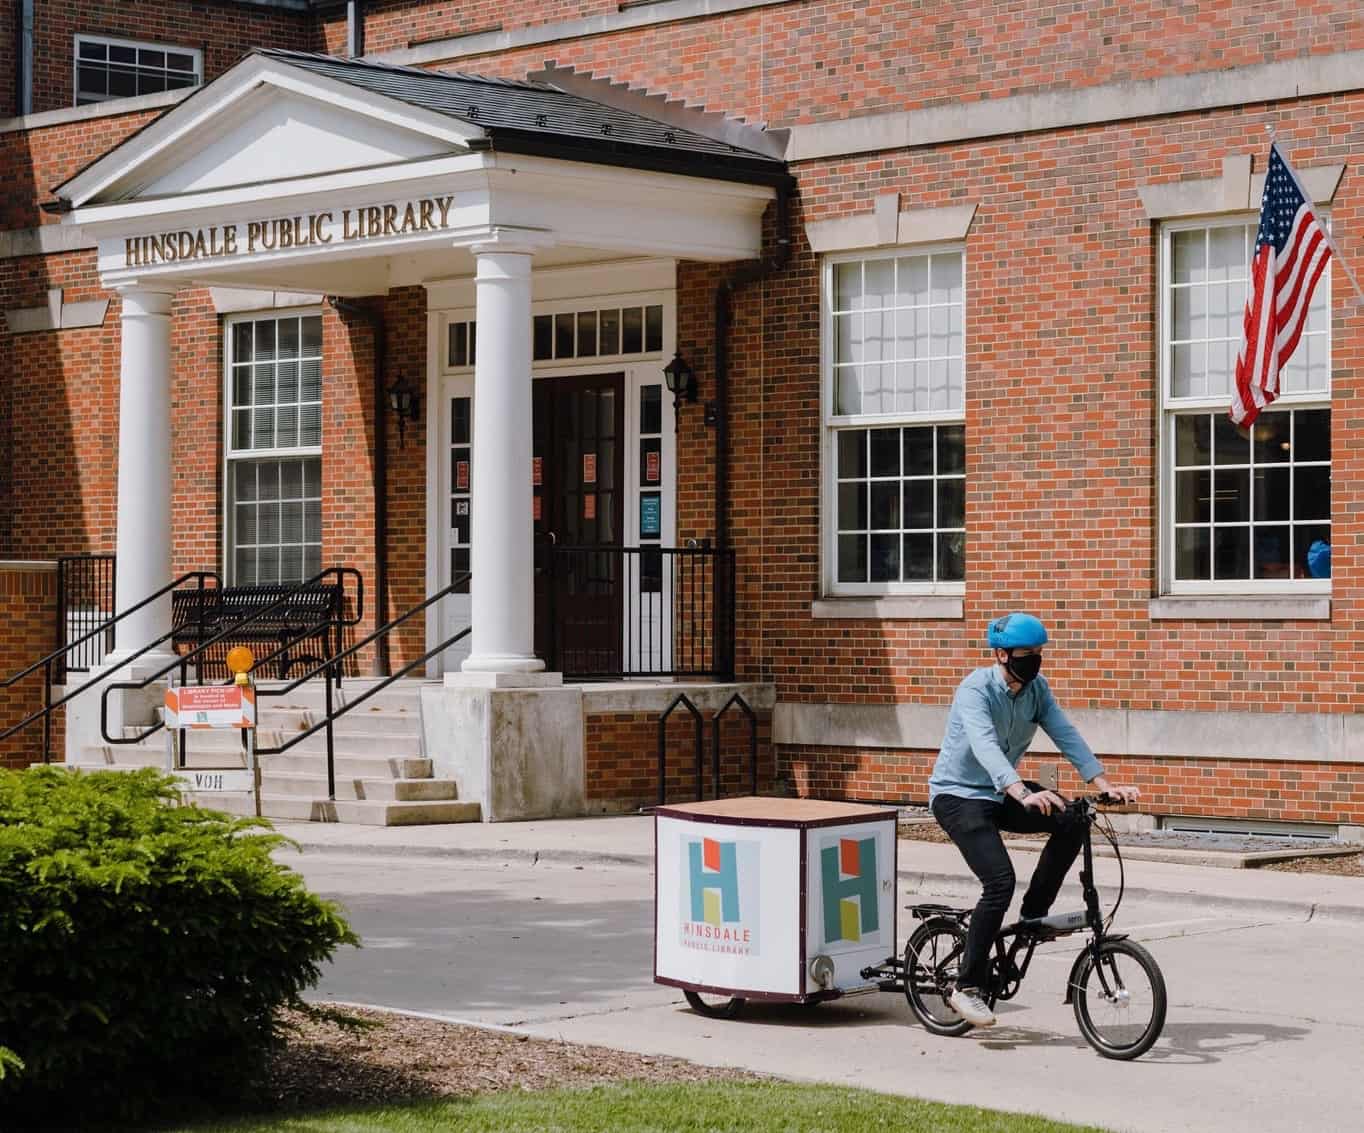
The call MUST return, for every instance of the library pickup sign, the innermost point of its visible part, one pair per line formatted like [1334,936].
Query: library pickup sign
[189,709]
[211,706]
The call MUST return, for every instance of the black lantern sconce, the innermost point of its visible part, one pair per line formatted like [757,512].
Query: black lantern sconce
[681,381]
[405,402]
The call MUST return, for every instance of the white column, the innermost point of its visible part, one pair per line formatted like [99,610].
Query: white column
[502,554]
[144,469]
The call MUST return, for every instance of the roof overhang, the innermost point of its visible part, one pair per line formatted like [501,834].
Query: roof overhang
[272,177]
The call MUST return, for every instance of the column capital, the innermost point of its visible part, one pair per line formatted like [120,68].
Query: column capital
[513,241]
[145,301]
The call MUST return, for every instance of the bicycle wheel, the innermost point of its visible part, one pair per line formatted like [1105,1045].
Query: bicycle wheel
[715,1006]
[932,959]
[1124,1021]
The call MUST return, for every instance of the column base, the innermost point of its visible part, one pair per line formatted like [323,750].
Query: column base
[486,679]
[502,663]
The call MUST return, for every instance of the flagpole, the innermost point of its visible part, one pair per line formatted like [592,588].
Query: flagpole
[1326,232]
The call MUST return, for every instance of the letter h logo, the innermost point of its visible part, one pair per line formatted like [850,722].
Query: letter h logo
[714,881]
[848,872]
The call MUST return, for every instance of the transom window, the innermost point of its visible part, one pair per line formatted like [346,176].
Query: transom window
[894,414]
[121,68]
[1245,510]
[274,451]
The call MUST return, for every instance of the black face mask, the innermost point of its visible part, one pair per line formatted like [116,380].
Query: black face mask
[1024,668]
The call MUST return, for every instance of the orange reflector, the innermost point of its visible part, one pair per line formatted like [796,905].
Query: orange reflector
[240,659]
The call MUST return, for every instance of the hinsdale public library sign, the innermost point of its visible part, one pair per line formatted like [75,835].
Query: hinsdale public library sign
[252,237]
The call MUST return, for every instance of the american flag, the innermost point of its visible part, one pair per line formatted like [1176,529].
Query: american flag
[1291,252]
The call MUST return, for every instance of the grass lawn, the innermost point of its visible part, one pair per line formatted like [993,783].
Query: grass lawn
[674,1108]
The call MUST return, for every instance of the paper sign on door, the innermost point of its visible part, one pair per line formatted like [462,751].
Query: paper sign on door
[589,468]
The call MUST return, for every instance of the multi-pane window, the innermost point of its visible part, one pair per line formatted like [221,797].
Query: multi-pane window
[117,68]
[274,448]
[1246,510]
[593,334]
[895,402]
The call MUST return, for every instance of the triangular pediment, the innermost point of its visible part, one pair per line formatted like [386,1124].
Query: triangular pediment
[271,135]
[265,122]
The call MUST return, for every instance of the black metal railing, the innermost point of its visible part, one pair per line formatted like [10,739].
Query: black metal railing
[615,612]
[105,628]
[682,700]
[330,670]
[260,615]
[85,602]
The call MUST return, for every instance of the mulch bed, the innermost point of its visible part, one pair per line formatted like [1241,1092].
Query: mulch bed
[1349,866]
[396,1058]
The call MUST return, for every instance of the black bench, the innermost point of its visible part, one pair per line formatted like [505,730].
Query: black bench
[307,626]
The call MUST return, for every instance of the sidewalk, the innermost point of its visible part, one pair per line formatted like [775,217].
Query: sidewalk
[924,866]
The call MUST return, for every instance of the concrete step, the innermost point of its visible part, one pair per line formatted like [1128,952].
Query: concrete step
[396,790]
[348,739]
[400,697]
[363,719]
[348,765]
[365,813]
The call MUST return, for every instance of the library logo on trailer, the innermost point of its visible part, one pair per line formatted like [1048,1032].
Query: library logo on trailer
[720,896]
[850,882]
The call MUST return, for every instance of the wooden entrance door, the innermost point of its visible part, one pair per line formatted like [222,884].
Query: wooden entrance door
[577,451]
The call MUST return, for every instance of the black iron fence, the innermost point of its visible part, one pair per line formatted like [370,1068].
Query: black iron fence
[611,612]
[85,601]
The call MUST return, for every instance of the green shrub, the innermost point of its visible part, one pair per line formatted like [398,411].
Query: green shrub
[144,946]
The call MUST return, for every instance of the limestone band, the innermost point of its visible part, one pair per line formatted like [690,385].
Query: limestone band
[426,214]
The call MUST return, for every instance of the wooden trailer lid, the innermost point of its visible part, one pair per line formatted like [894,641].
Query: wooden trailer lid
[796,812]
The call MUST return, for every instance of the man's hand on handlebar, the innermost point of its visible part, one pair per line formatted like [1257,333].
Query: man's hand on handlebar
[1120,796]
[1043,801]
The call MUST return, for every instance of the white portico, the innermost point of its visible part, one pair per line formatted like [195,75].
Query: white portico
[307,174]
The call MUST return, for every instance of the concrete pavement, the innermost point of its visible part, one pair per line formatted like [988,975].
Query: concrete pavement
[1263,1030]
[923,866]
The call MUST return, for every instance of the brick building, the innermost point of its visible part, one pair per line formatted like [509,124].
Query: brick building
[960,289]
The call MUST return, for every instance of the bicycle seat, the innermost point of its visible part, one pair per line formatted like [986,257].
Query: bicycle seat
[926,911]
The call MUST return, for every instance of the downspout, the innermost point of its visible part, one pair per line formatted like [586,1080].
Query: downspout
[23,57]
[355,28]
[724,294]
[349,310]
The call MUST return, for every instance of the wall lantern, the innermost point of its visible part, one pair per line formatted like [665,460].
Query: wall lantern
[405,402]
[681,381]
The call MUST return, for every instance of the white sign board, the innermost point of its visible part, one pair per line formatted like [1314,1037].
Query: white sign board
[850,911]
[728,906]
[210,706]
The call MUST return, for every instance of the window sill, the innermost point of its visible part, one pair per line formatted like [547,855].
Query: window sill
[1216,607]
[889,608]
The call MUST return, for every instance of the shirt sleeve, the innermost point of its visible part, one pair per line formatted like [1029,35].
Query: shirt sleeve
[980,733]
[1066,736]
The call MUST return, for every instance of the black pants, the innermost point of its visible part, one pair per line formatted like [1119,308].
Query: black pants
[974,825]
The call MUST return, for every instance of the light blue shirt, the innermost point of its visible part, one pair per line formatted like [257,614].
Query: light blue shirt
[989,730]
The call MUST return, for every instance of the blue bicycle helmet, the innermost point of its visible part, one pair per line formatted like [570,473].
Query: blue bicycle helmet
[1016,631]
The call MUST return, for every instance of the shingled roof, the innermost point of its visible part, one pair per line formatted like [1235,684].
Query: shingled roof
[534,117]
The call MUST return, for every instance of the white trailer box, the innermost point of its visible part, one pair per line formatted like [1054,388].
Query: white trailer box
[751,892]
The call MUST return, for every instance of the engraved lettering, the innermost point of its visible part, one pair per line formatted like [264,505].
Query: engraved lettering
[230,240]
[200,248]
[390,219]
[252,235]
[427,208]
[409,219]
[131,255]
[444,203]
[372,220]
[346,233]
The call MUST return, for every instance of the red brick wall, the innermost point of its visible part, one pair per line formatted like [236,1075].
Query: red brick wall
[392,25]
[28,631]
[224,32]
[8,104]
[1290,791]
[620,754]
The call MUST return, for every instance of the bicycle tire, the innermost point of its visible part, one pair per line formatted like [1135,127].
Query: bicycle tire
[932,958]
[1117,1038]
[715,1008]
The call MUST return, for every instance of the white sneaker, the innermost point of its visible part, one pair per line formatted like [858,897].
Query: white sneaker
[967,1003]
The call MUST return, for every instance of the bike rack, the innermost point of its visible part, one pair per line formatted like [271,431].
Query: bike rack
[738,701]
[682,699]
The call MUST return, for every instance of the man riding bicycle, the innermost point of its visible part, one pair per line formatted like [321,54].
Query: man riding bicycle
[975,792]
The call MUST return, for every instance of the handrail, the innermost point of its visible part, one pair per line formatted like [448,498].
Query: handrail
[50,705]
[183,661]
[327,668]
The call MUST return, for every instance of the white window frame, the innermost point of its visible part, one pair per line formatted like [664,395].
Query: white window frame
[195,53]
[231,456]
[831,423]
[1170,407]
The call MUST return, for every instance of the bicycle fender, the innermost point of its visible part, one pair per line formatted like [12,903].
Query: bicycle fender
[1080,961]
